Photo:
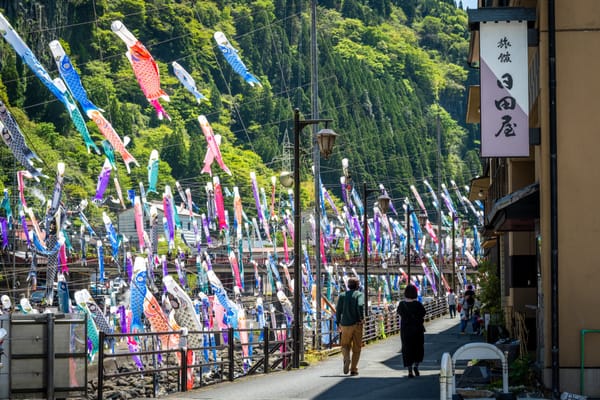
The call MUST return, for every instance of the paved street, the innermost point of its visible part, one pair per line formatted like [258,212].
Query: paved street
[381,374]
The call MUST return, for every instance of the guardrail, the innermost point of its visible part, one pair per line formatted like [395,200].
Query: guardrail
[225,355]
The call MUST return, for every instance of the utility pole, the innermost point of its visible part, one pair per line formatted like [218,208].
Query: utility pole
[439,194]
[316,162]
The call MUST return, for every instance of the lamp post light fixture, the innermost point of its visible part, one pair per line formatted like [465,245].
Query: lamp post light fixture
[384,202]
[453,257]
[326,139]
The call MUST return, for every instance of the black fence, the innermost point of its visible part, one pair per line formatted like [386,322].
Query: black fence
[202,358]
[222,355]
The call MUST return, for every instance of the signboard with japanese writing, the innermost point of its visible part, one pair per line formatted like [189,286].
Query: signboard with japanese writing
[504,95]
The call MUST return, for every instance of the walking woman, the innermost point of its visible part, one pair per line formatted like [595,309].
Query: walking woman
[412,330]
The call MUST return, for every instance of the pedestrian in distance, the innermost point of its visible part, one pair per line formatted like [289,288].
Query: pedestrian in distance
[451,298]
[412,330]
[469,300]
[463,321]
[349,315]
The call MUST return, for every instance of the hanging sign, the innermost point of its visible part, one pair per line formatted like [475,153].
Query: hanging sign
[504,89]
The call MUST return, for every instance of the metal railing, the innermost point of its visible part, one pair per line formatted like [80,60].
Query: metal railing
[228,354]
[224,355]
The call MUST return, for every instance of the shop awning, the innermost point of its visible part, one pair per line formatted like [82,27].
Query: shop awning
[517,211]
[489,243]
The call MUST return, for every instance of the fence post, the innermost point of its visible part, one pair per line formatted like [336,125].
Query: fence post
[100,362]
[231,352]
[184,364]
[266,348]
[183,371]
[154,374]
[50,355]
[331,333]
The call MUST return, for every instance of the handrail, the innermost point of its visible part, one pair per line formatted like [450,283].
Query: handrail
[582,369]
[275,348]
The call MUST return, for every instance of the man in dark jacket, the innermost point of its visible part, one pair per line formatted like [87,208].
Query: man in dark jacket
[350,317]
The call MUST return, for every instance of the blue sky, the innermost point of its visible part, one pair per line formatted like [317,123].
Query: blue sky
[469,3]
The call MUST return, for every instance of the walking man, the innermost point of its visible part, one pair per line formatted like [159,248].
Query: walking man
[451,303]
[349,316]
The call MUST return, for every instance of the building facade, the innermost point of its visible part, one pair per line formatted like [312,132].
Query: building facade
[541,224]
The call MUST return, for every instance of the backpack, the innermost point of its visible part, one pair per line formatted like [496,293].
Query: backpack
[471,300]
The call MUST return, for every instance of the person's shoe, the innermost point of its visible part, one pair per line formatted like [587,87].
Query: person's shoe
[346,366]
[416,371]
[354,373]
[410,372]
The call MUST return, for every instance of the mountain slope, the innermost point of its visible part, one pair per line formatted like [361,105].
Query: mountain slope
[390,74]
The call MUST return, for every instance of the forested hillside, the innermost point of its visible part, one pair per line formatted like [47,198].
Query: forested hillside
[391,73]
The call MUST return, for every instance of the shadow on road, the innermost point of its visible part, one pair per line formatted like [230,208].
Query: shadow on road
[391,380]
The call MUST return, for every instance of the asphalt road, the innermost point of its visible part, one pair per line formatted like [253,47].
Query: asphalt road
[381,374]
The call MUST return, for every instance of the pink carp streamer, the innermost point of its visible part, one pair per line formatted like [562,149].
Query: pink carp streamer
[235,269]
[213,152]
[219,203]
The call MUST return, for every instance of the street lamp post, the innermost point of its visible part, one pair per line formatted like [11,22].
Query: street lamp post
[326,139]
[408,211]
[384,202]
[453,254]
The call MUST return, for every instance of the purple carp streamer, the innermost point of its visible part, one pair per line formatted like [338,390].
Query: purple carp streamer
[103,179]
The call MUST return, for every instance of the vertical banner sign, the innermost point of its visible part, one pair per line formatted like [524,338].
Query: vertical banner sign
[504,94]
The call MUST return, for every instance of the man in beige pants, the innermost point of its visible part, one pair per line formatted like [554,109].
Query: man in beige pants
[350,317]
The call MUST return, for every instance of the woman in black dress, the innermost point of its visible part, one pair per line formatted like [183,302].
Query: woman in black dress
[412,331]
